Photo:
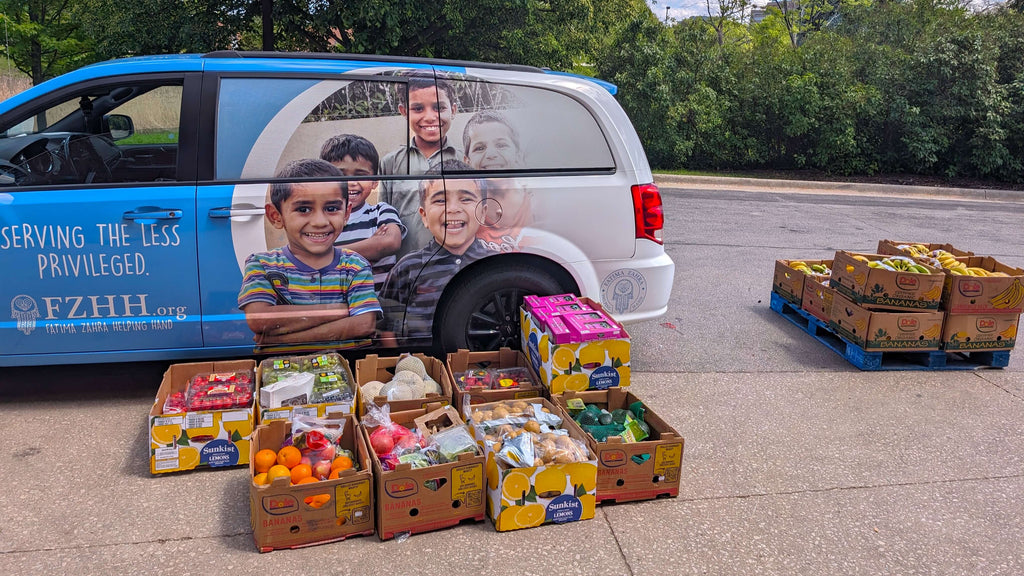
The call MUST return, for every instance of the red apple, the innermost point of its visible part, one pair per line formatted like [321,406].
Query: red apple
[322,469]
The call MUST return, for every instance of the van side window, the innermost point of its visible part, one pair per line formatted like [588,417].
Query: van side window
[511,128]
[265,123]
[114,133]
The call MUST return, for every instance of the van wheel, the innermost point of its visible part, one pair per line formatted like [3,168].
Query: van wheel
[483,313]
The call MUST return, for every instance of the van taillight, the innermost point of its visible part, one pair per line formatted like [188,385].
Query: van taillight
[647,208]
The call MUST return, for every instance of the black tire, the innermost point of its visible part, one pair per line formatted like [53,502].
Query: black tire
[483,311]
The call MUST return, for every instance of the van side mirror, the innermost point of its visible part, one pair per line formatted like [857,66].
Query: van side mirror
[120,126]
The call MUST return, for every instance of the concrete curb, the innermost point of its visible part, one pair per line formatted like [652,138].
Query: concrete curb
[847,187]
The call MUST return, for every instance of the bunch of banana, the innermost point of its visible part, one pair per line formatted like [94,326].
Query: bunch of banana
[816,270]
[899,264]
[919,250]
[1011,297]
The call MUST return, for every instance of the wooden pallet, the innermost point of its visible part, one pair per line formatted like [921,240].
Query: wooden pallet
[854,354]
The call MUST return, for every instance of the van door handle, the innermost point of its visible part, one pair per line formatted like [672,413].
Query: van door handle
[158,214]
[228,212]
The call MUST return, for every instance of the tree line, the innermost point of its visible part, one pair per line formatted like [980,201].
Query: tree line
[842,86]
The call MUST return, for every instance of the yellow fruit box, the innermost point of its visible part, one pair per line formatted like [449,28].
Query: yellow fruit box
[374,367]
[984,294]
[593,365]
[894,248]
[880,289]
[207,438]
[630,471]
[967,332]
[886,331]
[817,298]
[464,360]
[340,374]
[283,515]
[789,282]
[534,495]
[417,500]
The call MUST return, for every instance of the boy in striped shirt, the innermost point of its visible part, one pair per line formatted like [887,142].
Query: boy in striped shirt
[309,292]
[374,231]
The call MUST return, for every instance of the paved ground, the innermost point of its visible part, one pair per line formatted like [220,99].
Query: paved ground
[795,464]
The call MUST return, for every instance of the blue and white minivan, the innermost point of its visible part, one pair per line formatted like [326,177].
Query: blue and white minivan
[134,192]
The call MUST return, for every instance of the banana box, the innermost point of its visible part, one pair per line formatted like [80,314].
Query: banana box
[967,332]
[789,282]
[468,391]
[525,497]
[895,248]
[417,500]
[198,439]
[886,331]
[331,375]
[817,298]
[630,471]
[882,289]
[995,288]
[593,365]
[382,369]
[283,515]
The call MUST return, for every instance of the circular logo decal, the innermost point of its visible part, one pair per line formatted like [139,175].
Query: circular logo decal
[623,290]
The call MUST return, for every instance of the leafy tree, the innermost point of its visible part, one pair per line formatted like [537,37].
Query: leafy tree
[46,37]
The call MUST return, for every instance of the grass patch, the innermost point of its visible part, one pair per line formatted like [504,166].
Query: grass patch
[150,138]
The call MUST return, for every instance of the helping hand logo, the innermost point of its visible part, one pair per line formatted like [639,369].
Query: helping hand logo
[25,311]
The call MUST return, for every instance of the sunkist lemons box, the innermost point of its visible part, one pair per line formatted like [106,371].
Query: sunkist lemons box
[886,331]
[463,360]
[283,515]
[593,365]
[984,332]
[880,289]
[629,471]
[416,500]
[534,495]
[189,440]
[320,409]
[382,368]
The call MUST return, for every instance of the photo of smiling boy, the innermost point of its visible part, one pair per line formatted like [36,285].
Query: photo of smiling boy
[309,291]
[448,209]
[374,231]
[430,108]
[492,143]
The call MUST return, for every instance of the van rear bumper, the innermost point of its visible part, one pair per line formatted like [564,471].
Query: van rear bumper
[636,289]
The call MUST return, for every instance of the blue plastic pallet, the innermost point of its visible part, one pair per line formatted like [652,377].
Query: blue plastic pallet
[854,354]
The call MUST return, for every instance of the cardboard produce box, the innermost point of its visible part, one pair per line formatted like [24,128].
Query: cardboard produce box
[886,331]
[525,497]
[893,247]
[283,515]
[628,471]
[817,298]
[330,371]
[465,394]
[417,500]
[596,365]
[200,438]
[789,282]
[967,332]
[382,368]
[880,289]
[984,294]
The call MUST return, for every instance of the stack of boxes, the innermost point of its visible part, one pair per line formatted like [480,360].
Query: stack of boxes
[891,310]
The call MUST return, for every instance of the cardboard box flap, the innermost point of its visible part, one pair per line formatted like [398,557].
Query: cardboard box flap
[437,420]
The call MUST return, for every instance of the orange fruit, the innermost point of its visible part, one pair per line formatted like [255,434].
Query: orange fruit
[289,456]
[264,459]
[317,501]
[301,471]
[341,463]
[261,479]
[278,471]
[306,480]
